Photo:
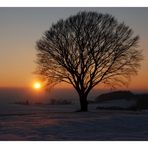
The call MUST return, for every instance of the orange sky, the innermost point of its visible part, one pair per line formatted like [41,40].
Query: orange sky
[20,28]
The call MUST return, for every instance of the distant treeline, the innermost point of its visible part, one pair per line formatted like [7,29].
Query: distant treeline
[133,101]
[141,100]
[51,102]
[60,101]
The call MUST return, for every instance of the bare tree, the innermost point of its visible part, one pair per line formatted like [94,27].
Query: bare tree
[87,49]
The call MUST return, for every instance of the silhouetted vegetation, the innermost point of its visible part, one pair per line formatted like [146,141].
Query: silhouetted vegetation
[87,49]
[115,95]
[141,100]
[59,102]
[26,102]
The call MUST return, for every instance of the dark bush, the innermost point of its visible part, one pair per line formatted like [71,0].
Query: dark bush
[142,101]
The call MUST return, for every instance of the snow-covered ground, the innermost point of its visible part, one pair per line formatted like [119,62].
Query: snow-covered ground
[61,122]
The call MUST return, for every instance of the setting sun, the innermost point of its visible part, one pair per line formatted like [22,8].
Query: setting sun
[37,85]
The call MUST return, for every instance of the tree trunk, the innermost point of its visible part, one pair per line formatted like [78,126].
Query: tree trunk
[83,103]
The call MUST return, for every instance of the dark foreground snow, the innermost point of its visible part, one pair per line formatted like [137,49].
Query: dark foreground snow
[49,122]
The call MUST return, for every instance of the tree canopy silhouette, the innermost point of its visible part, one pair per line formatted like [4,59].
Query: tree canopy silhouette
[87,49]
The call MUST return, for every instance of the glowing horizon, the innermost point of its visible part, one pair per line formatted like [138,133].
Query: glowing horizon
[22,27]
